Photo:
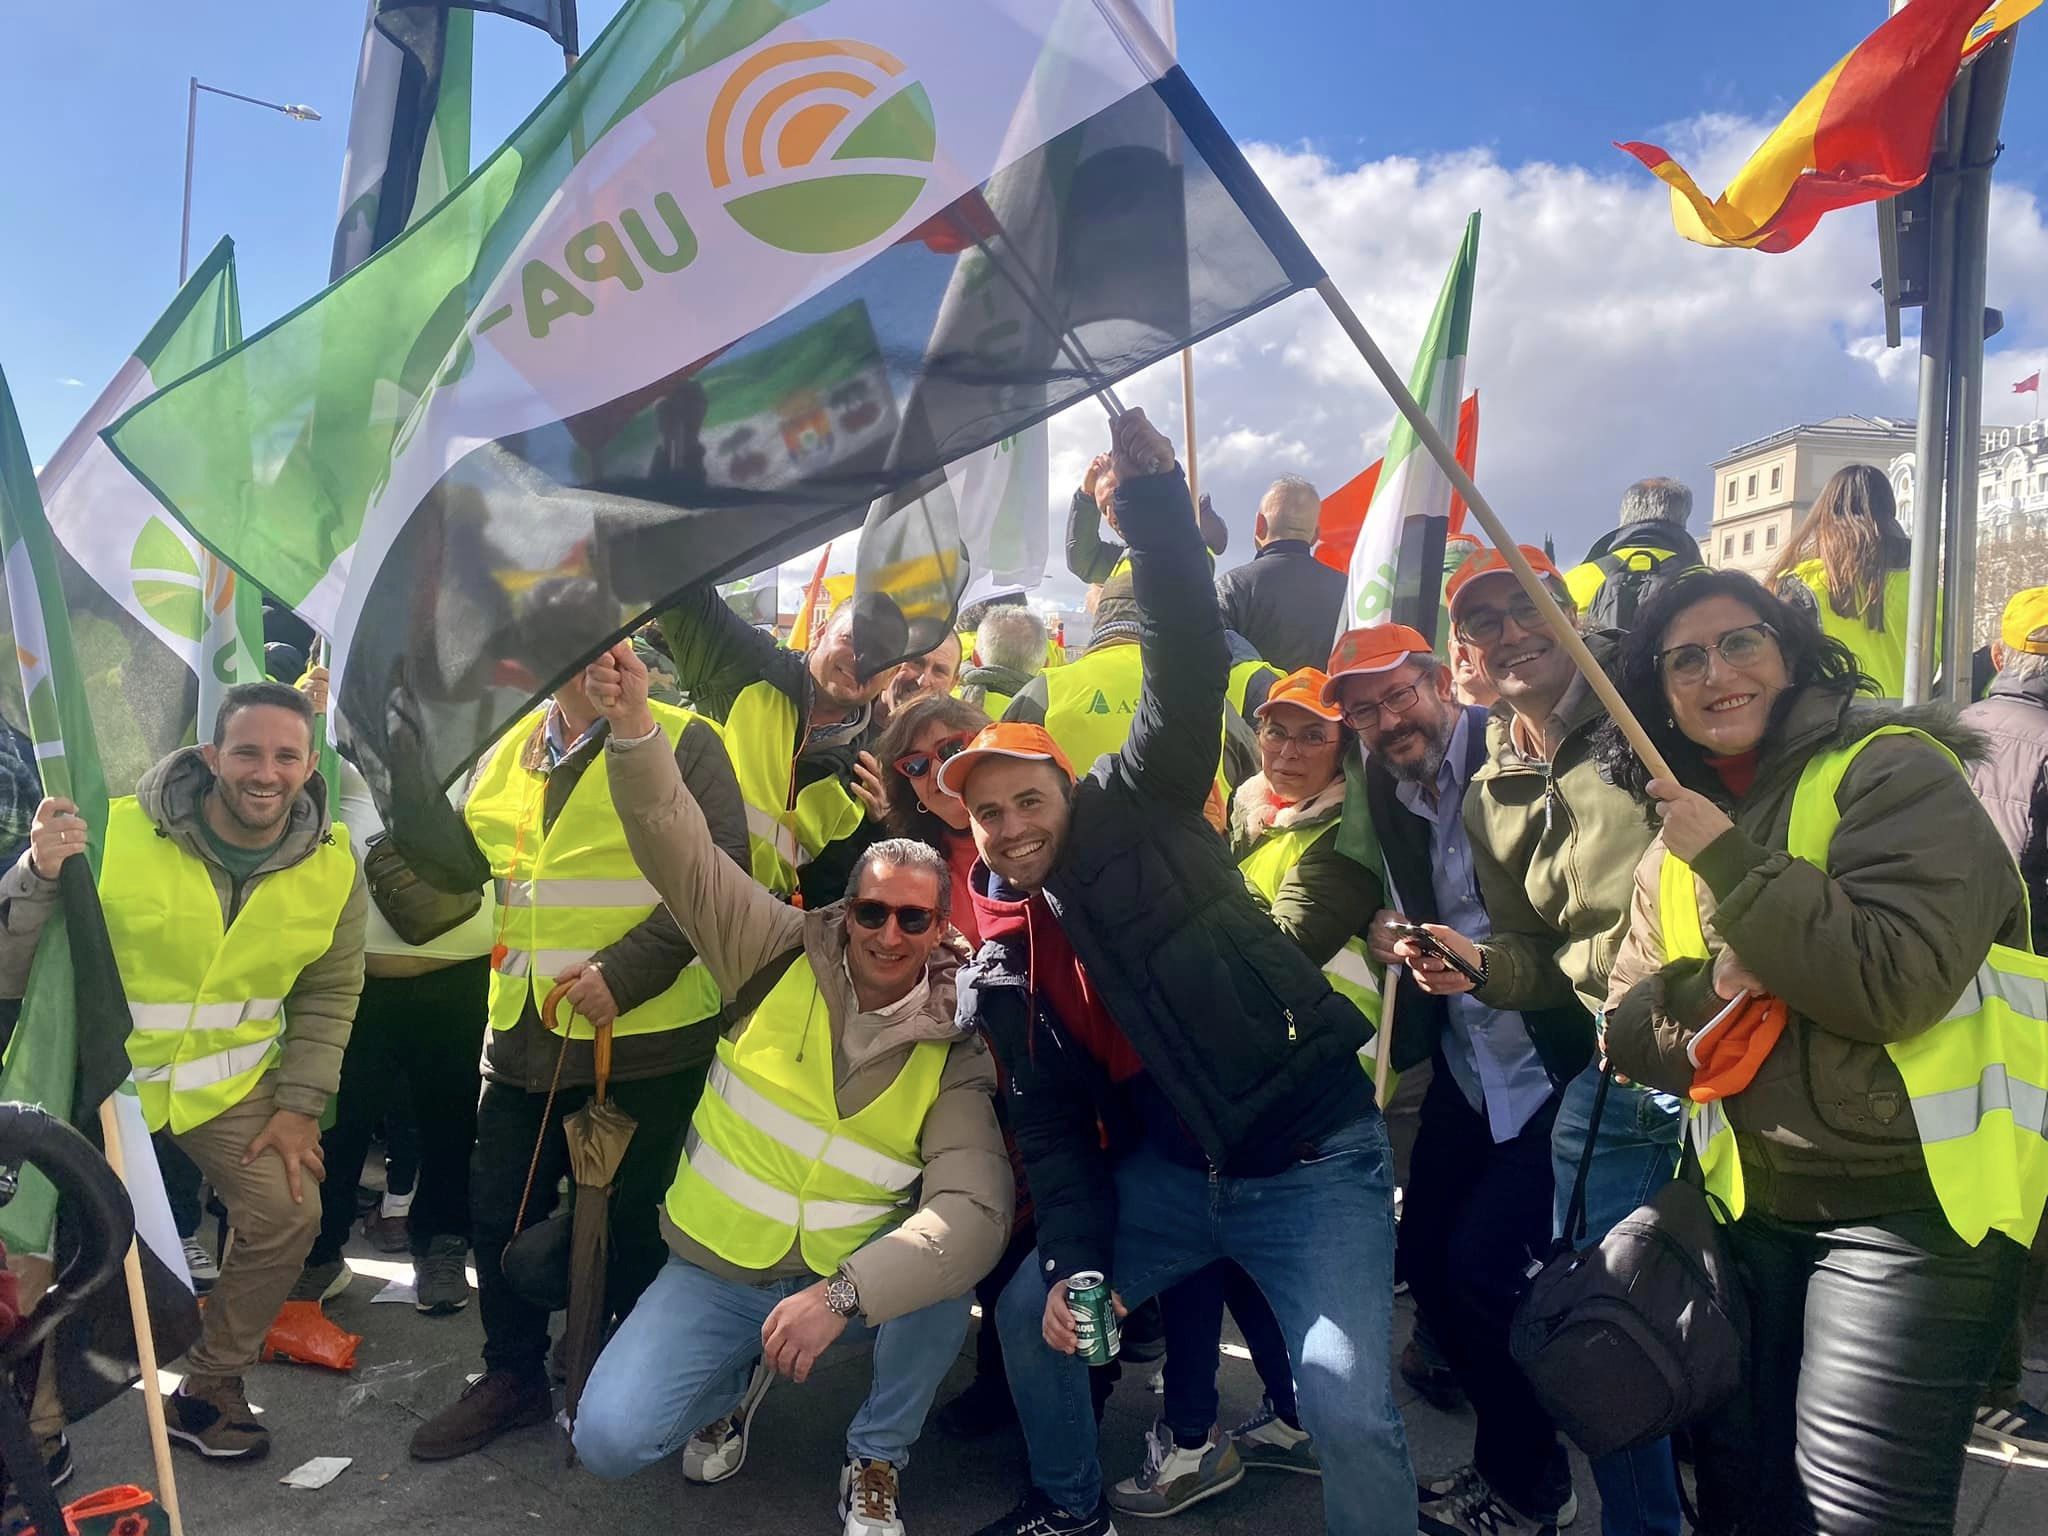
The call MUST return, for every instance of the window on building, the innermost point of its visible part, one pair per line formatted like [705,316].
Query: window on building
[1749,535]
[1749,490]
[1728,547]
[1730,497]
[1777,477]
[1771,537]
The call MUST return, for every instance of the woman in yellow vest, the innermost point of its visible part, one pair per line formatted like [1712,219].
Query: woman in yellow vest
[1283,831]
[1875,1134]
[1846,565]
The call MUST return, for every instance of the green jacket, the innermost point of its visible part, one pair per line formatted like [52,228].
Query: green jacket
[1555,848]
[1327,898]
[1876,948]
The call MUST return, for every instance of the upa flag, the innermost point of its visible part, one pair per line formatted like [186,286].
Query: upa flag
[69,1049]
[518,429]
[1394,566]
[162,627]
[1865,131]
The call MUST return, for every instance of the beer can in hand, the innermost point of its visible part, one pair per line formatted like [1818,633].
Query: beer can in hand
[1096,1335]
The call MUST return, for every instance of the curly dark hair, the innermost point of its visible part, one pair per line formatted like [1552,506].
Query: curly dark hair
[1811,658]
[906,817]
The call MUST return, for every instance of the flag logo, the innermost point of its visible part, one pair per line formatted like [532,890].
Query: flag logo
[819,145]
[167,581]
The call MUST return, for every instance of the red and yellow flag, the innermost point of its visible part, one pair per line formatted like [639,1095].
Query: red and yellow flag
[1865,131]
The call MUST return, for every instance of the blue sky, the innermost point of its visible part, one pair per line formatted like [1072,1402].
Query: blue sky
[92,94]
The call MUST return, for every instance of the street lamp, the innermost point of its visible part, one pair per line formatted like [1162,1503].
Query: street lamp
[293,110]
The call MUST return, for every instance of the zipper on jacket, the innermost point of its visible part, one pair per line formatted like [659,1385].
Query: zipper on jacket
[1288,1014]
[1549,794]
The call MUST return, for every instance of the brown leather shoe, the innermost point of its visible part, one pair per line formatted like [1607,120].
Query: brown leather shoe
[211,1415]
[496,1402]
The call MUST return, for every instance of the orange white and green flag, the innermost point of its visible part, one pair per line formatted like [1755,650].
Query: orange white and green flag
[1865,131]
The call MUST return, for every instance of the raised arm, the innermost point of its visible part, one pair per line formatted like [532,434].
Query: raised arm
[718,653]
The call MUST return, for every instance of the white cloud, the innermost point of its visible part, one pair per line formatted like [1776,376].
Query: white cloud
[1604,347]
[69,383]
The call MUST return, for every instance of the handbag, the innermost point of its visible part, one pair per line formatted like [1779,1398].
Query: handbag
[1643,1333]
[418,912]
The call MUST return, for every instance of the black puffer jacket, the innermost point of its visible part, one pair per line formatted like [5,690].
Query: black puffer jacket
[1237,1028]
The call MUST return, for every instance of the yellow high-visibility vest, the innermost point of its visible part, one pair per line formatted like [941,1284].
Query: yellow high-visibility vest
[1880,653]
[785,831]
[206,999]
[770,1161]
[1977,1080]
[1352,970]
[994,704]
[571,891]
[1091,702]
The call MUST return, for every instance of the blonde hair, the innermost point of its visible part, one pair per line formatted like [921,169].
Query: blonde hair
[1852,520]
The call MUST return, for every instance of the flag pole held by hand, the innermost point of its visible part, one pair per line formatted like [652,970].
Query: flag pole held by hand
[1561,627]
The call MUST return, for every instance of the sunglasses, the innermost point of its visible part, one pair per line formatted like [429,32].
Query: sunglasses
[876,914]
[1739,648]
[915,765]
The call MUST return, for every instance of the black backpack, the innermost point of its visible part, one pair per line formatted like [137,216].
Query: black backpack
[1633,562]
[1642,1334]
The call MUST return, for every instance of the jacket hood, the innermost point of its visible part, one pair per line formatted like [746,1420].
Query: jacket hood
[2030,690]
[173,792]
[1651,533]
[1004,680]
[1818,721]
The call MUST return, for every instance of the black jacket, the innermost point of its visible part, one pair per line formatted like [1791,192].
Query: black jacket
[1236,1026]
[1286,602]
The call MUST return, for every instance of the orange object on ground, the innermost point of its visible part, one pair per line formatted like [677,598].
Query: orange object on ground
[1737,1049]
[122,1511]
[302,1335]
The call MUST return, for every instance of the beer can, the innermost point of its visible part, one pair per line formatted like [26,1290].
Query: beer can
[1096,1334]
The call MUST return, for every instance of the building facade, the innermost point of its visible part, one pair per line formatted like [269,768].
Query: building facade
[2012,484]
[1763,488]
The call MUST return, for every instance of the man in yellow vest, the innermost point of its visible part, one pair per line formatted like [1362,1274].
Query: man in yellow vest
[795,722]
[236,912]
[574,914]
[843,1174]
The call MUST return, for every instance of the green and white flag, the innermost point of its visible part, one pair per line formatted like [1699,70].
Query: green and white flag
[162,626]
[1395,564]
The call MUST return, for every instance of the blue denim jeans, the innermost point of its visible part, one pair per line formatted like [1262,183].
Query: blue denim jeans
[683,1355]
[1318,1239]
[1635,1152]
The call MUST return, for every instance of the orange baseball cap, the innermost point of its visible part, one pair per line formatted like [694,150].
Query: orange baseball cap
[1006,738]
[1304,688]
[1488,562]
[1364,652]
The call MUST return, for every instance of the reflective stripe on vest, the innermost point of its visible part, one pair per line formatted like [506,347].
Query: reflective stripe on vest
[568,892]
[205,1000]
[1977,1079]
[1880,653]
[1351,970]
[784,832]
[770,1161]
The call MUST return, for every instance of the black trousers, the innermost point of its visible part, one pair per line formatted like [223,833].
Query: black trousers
[414,1053]
[508,1121]
[1870,1347]
[1475,1214]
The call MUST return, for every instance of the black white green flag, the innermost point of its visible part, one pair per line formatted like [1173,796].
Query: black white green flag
[566,395]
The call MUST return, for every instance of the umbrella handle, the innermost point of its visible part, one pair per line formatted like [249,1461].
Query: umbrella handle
[554,1001]
[601,1064]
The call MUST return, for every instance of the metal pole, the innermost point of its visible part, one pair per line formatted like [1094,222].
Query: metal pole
[185,222]
[1930,431]
[1975,155]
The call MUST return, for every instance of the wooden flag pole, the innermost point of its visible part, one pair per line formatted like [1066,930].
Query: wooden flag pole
[1383,1043]
[1187,411]
[1561,627]
[145,1341]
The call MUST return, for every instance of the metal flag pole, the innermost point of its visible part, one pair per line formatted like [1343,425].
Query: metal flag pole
[1930,430]
[1433,442]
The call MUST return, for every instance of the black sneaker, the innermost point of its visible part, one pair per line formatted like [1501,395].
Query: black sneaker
[57,1462]
[2022,1426]
[1037,1515]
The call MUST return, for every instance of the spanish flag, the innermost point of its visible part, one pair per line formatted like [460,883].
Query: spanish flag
[1864,132]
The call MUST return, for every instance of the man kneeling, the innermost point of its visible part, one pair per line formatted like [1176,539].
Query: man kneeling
[843,1173]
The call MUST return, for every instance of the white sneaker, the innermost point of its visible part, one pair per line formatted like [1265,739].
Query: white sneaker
[719,1449]
[201,1265]
[869,1500]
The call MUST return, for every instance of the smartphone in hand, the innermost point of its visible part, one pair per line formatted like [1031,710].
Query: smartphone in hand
[1432,945]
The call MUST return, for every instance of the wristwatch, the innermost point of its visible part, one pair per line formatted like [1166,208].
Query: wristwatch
[841,1296]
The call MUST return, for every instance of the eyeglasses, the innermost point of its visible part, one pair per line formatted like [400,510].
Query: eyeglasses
[1364,716]
[876,914]
[1739,648]
[915,765]
[1482,626]
[1279,738]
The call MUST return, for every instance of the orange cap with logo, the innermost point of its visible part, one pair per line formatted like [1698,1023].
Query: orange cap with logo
[1304,688]
[1373,649]
[1006,738]
[1488,562]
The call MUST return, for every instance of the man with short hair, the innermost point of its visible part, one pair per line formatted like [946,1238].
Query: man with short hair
[1649,547]
[236,912]
[1012,644]
[1182,1079]
[1286,602]
[922,677]
[843,1176]
[1477,1204]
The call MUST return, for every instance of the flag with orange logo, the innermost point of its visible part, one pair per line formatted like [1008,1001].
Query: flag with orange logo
[1865,131]
[746,273]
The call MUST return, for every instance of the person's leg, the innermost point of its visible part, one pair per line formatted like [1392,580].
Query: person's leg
[679,1360]
[1903,1323]
[1319,1241]
[2004,1388]
[662,1106]
[182,1179]
[272,1235]
[1263,1338]
[508,1121]
[912,1355]
[366,1068]
[449,1007]
[1451,1141]
[1193,1310]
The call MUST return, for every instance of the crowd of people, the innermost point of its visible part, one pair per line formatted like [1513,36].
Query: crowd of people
[1004,972]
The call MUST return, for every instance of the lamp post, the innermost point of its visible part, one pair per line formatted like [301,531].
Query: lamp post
[296,112]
